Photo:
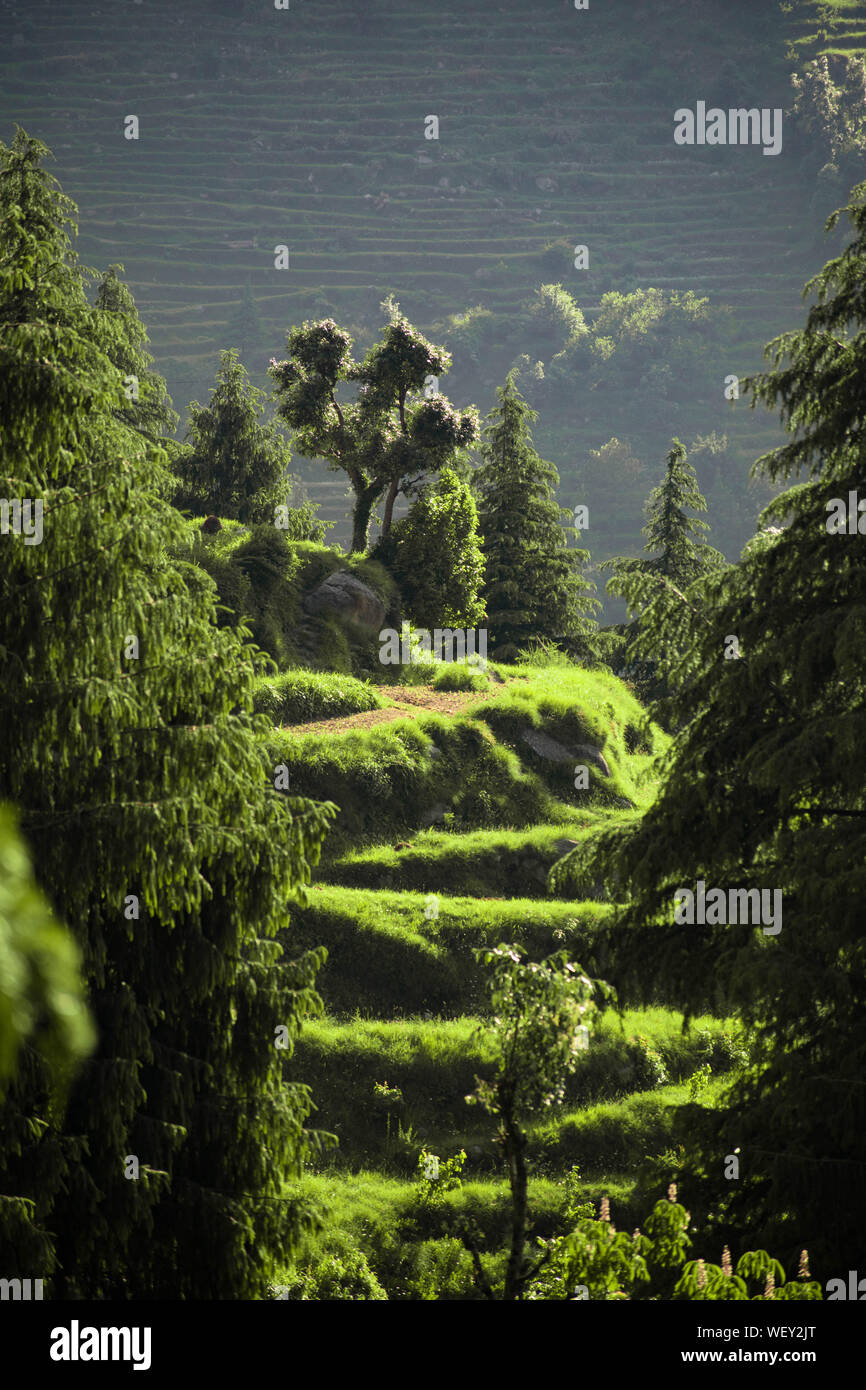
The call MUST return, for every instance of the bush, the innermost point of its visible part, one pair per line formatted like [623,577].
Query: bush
[440,1269]
[435,555]
[269,565]
[557,314]
[454,675]
[255,583]
[347,1276]
[300,697]
[648,1063]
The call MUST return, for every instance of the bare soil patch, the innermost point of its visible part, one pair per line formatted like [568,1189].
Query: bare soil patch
[409,701]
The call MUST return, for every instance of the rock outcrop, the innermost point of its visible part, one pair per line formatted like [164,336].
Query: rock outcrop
[555,752]
[349,599]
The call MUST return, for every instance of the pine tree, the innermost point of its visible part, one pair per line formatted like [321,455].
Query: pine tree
[766,788]
[677,562]
[233,466]
[127,745]
[123,338]
[674,554]
[534,589]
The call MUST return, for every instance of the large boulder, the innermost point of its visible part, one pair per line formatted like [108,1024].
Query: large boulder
[554,752]
[349,599]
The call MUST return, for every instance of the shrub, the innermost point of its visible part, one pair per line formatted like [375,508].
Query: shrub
[455,676]
[440,1269]
[435,555]
[650,1069]
[346,1276]
[300,696]
[595,1262]
[255,583]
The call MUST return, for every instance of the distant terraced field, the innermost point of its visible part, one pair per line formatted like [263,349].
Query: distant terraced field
[305,127]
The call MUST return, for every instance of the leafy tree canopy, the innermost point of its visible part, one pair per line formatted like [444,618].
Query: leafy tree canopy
[764,790]
[435,555]
[398,428]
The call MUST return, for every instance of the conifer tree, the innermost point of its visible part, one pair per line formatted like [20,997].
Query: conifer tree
[233,465]
[147,405]
[127,745]
[765,788]
[533,585]
[677,560]
[674,554]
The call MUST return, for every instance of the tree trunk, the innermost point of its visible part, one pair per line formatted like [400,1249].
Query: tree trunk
[515,1152]
[365,500]
[389,506]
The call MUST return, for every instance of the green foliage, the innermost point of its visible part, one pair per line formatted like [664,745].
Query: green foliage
[254,582]
[151,828]
[147,406]
[830,104]
[454,675]
[764,788]
[541,653]
[533,588]
[42,1003]
[233,466]
[439,1269]
[437,1177]
[648,1063]
[261,579]
[468,335]
[634,319]
[665,589]
[669,531]
[594,1261]
[301,697]
[542,1014]
[388,438]
[756,1270]
[346,1277]
[557,315]
[435,555]
[296,517]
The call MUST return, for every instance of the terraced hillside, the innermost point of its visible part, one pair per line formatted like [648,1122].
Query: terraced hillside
[447,828]
[305,127]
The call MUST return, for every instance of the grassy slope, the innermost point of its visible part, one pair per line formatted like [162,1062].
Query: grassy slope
[403,993]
